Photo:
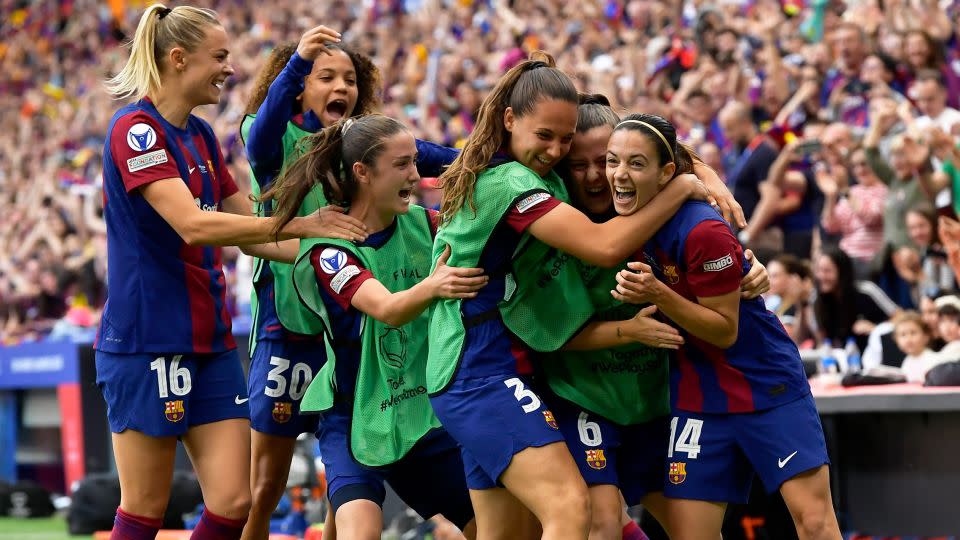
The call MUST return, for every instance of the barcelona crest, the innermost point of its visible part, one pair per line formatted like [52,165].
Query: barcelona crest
[670,272]
[596,459]
[282,411]
[678,473]
[173,410]
[551,421]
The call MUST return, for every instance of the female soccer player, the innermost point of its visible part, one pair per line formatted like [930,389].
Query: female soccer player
[512,221]
[375,295]
[302,88]
[613,405]
[741,403]
[166,360]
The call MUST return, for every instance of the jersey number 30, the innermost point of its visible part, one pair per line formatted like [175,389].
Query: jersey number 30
[689,439]
[300,378]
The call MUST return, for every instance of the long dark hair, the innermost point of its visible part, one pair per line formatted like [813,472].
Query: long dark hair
[663,135]
[521,88]
[329,163]
[368,79]
[836,311]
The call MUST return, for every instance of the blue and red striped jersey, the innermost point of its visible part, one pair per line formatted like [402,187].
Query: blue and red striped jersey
[163,296]
[697,255]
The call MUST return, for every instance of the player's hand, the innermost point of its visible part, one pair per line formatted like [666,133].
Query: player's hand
[331,222]
[757,280]
[454,282]
[637,285]
[643,328]
[314,42]
[721,198]
[696,189]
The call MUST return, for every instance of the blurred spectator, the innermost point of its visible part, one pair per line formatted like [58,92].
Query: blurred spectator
[936,275]
[930,95]
[789,296]
[913,336]
[846,307]
[858,216]
[750,157]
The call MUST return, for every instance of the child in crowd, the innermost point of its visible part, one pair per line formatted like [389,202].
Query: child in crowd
[913,336]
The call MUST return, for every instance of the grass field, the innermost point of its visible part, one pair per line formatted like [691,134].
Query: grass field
[54,528]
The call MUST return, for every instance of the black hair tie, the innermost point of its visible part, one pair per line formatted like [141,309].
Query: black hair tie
[536,64]
[163,12]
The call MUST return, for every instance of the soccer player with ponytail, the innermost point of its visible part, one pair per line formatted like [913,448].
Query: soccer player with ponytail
[166,361]
[514,220]
[374,299]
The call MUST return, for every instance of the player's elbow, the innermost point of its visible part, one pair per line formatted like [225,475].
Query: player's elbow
[606,256]
[727,337]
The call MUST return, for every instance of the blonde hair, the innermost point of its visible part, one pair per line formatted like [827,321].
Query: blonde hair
[159,30]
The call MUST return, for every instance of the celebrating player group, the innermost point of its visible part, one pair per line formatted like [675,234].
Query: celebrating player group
[575,330]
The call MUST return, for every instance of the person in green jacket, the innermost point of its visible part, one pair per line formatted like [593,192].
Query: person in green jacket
[513,219]
[374,298]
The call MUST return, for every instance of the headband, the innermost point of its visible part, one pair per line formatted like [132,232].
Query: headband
[653,129]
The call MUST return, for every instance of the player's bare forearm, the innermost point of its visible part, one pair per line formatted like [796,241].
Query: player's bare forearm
[718,329]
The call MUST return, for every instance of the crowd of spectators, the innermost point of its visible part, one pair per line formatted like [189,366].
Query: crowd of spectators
[834,123]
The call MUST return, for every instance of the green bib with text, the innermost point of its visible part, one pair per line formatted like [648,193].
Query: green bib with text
[391,409]
[545,302]
[627,385]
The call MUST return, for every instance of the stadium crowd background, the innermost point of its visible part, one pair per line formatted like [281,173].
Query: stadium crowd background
[833,123]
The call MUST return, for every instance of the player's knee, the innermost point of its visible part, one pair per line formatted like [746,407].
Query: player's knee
[573,507]
[234,506]
[814,522]
[267,490]
[602,528]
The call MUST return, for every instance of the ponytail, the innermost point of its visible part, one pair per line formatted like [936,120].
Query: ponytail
[521,88]
[160,29]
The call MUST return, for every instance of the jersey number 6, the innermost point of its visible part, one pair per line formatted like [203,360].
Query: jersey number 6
[300,378]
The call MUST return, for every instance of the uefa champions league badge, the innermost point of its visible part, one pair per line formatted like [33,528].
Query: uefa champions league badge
[141,137]
[332,260]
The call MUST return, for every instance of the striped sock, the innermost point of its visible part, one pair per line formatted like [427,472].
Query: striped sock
[214,527]
[632,531]
[131,527]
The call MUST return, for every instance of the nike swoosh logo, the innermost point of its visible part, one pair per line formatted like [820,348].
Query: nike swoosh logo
[192,169]
[783,462]
[240,401]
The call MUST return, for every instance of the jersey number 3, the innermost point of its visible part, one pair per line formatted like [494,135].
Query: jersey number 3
[521,393]
[300,378]
[689,439]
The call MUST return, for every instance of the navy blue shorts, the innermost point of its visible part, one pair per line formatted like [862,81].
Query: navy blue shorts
[164,396]
[280,372]
[714,457]
[629,457]
[493,418]
[429,478]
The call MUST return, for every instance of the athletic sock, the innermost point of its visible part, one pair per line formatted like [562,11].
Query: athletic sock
[132,527]
[632,531]
[214,527]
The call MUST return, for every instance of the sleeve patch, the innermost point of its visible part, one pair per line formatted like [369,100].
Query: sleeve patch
[141,137]
[332,260]
[138,163]
[718,265]
[342,277]
[531,201]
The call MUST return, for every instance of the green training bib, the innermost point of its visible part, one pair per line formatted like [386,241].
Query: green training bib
[545,302]
[391,409]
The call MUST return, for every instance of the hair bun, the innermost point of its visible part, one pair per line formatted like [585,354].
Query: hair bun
[542,56]
[594,99]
